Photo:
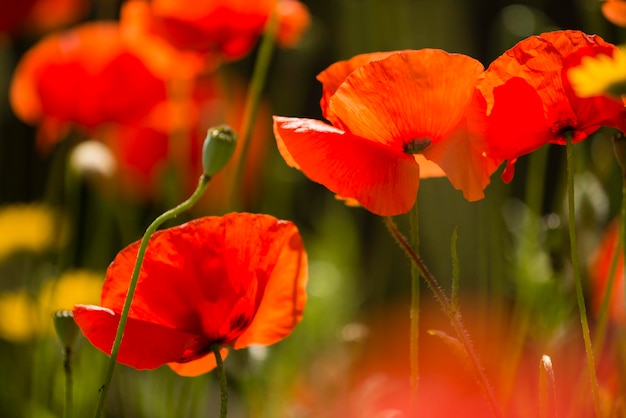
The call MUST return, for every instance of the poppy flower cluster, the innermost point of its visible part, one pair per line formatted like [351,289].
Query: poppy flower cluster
[234,281]
[398,116]
[140,85]
[395,117]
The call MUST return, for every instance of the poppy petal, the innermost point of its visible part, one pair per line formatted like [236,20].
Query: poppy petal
[408,95]
[461,154]
[199,366]
[332,77]
[285,294]
[216,295]
[428,168]
[514,101]
[382,180]
[99,325]
[229,27]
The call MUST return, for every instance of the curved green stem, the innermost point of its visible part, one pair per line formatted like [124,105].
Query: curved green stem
[202,184]
[221,376]
[591,367]
[255,90]
[450,311]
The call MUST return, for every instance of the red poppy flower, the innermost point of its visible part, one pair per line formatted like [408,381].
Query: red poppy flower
[136,22]
[392,114]
[234,280]
[531,102]
[87,76]
[217,26]
[615,12]
[228,28]
[294,19]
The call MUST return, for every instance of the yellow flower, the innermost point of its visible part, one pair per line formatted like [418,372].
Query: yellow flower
[599,75]
[19,321]
[73,287]
[31,227]
[23,317]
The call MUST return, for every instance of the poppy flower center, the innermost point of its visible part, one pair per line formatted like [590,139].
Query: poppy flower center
[197,348]
[564,127]
[416,145]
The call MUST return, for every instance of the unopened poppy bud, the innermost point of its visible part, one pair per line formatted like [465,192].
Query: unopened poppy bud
[65,327]
[619,144]
[219,146]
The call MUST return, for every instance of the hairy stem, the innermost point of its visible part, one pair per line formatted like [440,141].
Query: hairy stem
[221,376]
[450,311]
[253,99]
[591,366]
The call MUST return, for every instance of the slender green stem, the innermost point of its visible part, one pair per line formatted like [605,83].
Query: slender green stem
[221,376]
[202,184]
[591,367]
[69,386]
[255,90]
[414,314]
[453,314]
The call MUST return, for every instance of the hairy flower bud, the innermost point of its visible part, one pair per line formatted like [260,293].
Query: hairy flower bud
[219,146]
[65,327]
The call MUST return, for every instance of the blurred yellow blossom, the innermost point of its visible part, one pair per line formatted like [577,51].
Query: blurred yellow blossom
[23,316]
[600,74]
[73,288]
[28,227]
[18,316]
